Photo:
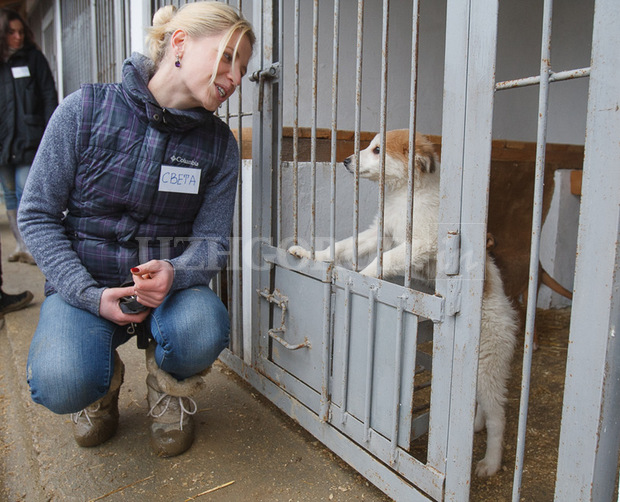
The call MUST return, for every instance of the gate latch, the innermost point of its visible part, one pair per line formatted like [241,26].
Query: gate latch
[281,301]
[259,76]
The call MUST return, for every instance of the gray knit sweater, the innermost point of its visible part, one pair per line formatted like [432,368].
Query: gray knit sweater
[44,202]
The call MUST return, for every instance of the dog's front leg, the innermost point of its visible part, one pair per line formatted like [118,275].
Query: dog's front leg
[322,255]
[395,259]
[367,243]
[393,263]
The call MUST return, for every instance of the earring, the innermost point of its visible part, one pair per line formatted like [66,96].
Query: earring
[177,63]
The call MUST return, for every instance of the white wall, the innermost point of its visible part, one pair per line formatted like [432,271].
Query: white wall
[139,21]
[431,65]
[518,56]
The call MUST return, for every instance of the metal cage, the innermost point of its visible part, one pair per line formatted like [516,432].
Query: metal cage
[384,373]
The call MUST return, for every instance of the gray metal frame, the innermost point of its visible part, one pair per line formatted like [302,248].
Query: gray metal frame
[296,353]
[466,153]
[344,413]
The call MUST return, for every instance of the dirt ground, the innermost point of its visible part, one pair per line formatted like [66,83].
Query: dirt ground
[543,421]
[543,426]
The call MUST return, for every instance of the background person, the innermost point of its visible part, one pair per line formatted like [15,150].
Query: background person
[11,303]
[27,99]
[107,157]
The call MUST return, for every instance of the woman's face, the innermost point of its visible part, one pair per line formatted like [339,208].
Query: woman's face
[15,38]
[199,62]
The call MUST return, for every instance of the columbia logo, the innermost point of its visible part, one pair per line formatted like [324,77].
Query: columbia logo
[181,160]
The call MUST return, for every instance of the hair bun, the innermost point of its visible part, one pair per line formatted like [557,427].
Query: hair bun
[164,15]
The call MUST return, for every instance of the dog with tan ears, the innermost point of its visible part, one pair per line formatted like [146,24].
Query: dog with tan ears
[499,317]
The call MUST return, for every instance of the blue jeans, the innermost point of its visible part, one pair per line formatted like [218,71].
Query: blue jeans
[13,179]
[71,358]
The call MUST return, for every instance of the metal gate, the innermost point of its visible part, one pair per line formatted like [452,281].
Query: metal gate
[385,373]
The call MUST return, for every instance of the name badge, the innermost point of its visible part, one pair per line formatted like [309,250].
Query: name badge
[20,71]
[179,179]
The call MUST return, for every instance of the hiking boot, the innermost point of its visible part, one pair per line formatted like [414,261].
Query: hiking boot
[171,408]
[11,303]
[98,422]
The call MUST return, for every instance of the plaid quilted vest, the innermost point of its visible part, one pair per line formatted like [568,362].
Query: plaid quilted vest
[141,178]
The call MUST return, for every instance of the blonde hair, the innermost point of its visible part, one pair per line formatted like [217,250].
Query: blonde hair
[198,19]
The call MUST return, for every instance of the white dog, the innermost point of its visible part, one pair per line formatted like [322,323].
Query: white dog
[499,318]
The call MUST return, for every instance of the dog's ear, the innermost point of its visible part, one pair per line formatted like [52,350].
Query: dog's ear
[490,240]
[425,163]
[405,148]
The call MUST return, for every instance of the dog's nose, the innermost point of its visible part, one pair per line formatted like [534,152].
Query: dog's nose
[349,165]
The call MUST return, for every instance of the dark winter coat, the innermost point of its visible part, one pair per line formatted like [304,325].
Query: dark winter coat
[27,100]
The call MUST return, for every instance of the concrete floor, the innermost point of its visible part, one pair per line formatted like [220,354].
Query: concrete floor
[245,449]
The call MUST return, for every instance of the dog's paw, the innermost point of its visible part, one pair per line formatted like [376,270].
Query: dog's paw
[486,468]
[299,252]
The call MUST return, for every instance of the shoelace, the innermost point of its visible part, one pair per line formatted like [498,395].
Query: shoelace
[165,407]
[76,416]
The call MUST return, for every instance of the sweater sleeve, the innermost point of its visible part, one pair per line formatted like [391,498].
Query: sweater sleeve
[210,240]
[44,200]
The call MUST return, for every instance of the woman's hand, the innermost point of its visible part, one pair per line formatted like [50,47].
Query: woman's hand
[109,307]
[152,282]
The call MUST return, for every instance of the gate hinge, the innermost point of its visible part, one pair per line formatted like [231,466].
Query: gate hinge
[453,295]
[452,253]
[259,76]
[451,268]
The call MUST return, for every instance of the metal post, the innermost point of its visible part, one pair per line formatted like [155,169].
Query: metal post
[473,79]
[370,358]
[334,131]
[398,360]
[296,127]
[265,129]
[93,41]
[415,33]
[532,297]
[346,342]
[382,132]
[358,121]
[590,433]
[315,90]
[453,133]
[59,48]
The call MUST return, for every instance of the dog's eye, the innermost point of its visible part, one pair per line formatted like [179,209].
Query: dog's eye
[376,150]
